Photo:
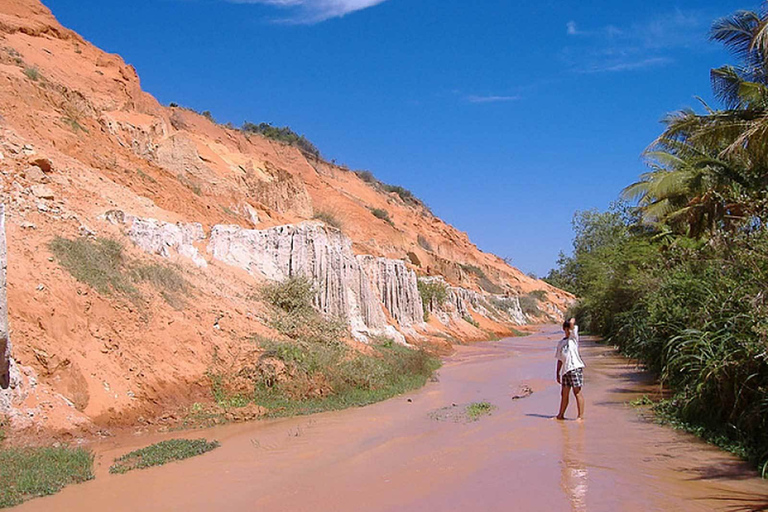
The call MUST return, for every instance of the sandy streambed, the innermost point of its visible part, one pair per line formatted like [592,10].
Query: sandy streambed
[408,454]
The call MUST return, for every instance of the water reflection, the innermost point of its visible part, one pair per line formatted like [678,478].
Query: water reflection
[574,476]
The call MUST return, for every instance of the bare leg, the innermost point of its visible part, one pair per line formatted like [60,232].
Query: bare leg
[579,402]
[564,392]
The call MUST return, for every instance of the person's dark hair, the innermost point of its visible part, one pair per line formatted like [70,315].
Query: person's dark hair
[566,325]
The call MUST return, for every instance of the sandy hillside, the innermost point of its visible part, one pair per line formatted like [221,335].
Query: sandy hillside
[82,148]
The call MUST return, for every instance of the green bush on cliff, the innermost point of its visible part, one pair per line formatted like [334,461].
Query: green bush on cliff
[282,134]
[433,294]
[382,214]
[403,193]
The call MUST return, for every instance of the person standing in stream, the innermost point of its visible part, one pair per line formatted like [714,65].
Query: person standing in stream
[570,369]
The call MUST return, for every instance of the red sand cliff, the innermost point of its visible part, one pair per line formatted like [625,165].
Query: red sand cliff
[89,361]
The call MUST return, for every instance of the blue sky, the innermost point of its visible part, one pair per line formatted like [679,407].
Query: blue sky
[505,117]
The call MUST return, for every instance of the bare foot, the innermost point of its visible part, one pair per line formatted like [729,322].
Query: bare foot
[561,418]
[579,419]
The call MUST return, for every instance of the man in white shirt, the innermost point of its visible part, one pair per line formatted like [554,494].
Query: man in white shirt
[570,369]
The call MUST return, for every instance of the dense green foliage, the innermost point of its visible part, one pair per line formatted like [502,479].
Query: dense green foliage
[162,453]
[282,134]
[31,472]
[680,281]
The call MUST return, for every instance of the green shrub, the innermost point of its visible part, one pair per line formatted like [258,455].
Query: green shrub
[692,313]
[145,176]
[405,195]
[482,279]
[489,286]
[472,269]
[162,277]
[433,295]
[367,176]
[32,73]
[382,214]
[162,453]
[284,135]
[293,295]
[167,280]
[31,472]
[328,218]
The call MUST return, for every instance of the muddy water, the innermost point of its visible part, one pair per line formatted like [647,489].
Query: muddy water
[417,453]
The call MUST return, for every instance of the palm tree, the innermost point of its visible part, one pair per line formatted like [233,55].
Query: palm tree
[690,188]
[710,171]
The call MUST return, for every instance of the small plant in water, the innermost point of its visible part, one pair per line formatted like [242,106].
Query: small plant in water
[476,410]
[162,453]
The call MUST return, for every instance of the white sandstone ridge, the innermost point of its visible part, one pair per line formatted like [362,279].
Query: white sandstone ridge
[377,296]
[460,302]
[346,285]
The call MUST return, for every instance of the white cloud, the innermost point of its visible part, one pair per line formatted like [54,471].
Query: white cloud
[491,99]
[639,45]
[630,65]
[314,11]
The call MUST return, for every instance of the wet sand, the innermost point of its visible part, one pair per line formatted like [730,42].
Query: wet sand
[397,456]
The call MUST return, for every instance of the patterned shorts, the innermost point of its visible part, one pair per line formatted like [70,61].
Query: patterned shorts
[574,378]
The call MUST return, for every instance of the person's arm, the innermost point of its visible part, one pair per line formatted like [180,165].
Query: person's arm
[559,366]
[574,330]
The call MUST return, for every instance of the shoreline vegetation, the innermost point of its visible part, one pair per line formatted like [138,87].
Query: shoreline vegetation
[27,473]
[679,281]
[310,368]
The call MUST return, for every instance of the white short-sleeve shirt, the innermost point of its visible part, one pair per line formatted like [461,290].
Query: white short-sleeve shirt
[568,352]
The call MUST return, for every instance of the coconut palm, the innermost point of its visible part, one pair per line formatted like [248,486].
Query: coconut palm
[691,189]
[710,170]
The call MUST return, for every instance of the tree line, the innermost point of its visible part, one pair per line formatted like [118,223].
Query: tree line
[679,281]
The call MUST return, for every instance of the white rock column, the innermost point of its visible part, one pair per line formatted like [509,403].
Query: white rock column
[5,342]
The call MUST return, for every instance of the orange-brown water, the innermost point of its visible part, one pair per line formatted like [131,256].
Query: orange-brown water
[396,455]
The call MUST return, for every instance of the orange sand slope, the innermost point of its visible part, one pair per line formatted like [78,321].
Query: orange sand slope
[83,150]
